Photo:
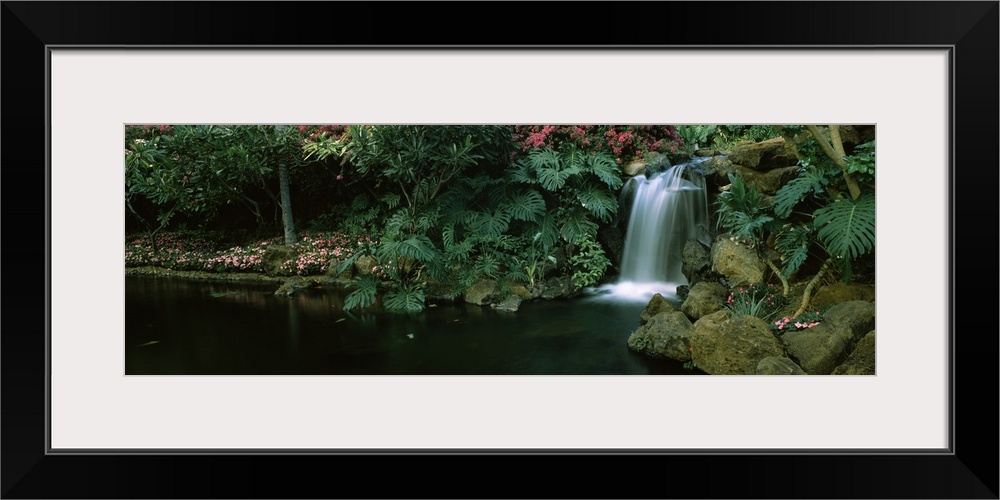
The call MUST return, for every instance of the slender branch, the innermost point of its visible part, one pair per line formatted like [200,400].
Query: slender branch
[777,272]
[836,153]
[807,295]
[405,194]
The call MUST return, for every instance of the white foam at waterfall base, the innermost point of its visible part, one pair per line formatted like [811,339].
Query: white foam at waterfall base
[635,291]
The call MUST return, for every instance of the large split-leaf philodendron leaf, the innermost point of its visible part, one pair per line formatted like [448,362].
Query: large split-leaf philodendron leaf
[847,228]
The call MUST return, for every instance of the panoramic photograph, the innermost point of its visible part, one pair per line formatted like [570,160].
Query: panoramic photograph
[682,249]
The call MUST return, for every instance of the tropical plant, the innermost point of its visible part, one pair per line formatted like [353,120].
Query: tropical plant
[756,299]
[589,262]
[694,135]
[742,212]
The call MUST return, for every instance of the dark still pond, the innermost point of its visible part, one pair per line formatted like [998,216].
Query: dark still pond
[182,327]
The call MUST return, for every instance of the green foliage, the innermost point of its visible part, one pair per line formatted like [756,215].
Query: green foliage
[741,211]
[364,295]
[599,201]
[406,298]
[847,228]
[527,206]
[695,134]
[577,226]
[589,263]
[810,181]
[793,242]
[803,321]
[727,135]
[757,299]
[861,163]
[581,187]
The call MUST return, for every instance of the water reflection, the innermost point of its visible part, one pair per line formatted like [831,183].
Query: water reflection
[224,328]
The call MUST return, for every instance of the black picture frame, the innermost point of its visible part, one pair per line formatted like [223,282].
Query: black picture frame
[970,28]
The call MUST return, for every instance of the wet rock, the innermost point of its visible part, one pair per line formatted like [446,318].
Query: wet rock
[775,365]
[365,264]
[842,292]
[522,291]
[852,135]
[481,293]
[634,167]
[704,298]
[763,156]
[440,292]
[732,347]
[656,305]
[862,359]
[275,256]
[293,285]
[509,304]
[612,239]
[818,350]
[665,335]
[768,182]
[738,263]
[561,287]
[717,170]
[695,258]
[331,271]
[857,315]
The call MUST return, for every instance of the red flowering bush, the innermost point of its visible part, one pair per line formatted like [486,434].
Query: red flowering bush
[623,141]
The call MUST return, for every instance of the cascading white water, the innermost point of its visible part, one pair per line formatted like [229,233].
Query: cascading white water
[667,210]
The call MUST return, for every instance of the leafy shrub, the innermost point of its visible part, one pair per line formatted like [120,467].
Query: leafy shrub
[742,212]
[757,299]
[589,262]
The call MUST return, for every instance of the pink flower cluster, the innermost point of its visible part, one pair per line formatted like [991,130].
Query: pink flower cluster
[185,253]
[799,325]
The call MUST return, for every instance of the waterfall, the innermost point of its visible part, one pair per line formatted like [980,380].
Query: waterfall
[667,210]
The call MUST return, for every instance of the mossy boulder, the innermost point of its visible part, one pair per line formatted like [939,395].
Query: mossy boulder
[704,298]
[275,256]
[779,365]
[737,262]
[658,304]
[862,359]
[665,335]
[732,347]
[842,292]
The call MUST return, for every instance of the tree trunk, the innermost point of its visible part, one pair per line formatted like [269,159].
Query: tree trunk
[836,153]
[286,205]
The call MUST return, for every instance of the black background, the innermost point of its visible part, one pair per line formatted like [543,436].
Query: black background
[971,472]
